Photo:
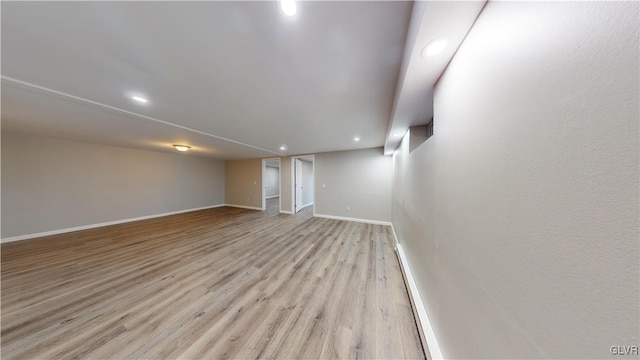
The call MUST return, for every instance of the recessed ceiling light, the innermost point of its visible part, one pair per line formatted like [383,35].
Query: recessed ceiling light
[283,147]
[182,147]
[434,48]
[288,7]
[356,138]
[140,99]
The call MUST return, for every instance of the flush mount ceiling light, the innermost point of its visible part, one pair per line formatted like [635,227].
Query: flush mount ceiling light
[434,48]
[140,99]
[356,138]
[283,147]
[288,7]
[182,147]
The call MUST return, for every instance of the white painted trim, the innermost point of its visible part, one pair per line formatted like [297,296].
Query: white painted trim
[244,207]
[279,183]
[108,223]
[293,181]
[264,171]
[374,222]
[304,206]
[286,212]
[271,197]
[432,349]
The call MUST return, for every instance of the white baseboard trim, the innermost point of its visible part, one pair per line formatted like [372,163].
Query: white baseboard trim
[108,223]
[432,349]
[374,222]
[244,207]
[304,206]
[395,236]
[286,212]
[271,197]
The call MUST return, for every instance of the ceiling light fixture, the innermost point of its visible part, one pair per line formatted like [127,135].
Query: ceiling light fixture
[140,99]
[434,48]
[182,148]
[283,147]
[356,138]
[288,7]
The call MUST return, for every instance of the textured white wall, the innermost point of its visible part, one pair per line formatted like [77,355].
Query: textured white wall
[519,217]
[357,184]
[50,184]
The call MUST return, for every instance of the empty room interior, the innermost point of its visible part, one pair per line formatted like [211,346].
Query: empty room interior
[320,180]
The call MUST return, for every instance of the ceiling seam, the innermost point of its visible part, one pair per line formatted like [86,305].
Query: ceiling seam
[8,79]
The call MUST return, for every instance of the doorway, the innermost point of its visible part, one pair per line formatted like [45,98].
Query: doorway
[303,182]
[271,187]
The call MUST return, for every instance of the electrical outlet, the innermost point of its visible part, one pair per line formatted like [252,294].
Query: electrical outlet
[348,208]
[324,185]
[248,199]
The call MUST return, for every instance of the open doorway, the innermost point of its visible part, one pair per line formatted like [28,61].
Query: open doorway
[271,188]
[303,182]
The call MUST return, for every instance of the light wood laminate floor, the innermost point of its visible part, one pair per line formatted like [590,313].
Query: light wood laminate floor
[219,283]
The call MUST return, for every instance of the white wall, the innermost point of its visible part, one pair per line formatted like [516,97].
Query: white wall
[285,184]
[354,184]
[519,217]
[272,181]
[244,183]
[307,182]
[50,184]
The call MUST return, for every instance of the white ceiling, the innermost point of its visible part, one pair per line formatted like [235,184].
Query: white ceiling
[231,79]
[430,20]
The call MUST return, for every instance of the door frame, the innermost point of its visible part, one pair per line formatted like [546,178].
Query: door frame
[264,177]
[293,181]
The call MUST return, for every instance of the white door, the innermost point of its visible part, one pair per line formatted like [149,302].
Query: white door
[298,166]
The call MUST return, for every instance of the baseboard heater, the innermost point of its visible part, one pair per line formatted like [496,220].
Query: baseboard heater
[427,336]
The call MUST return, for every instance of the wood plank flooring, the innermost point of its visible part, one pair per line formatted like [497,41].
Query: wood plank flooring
[223,283]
